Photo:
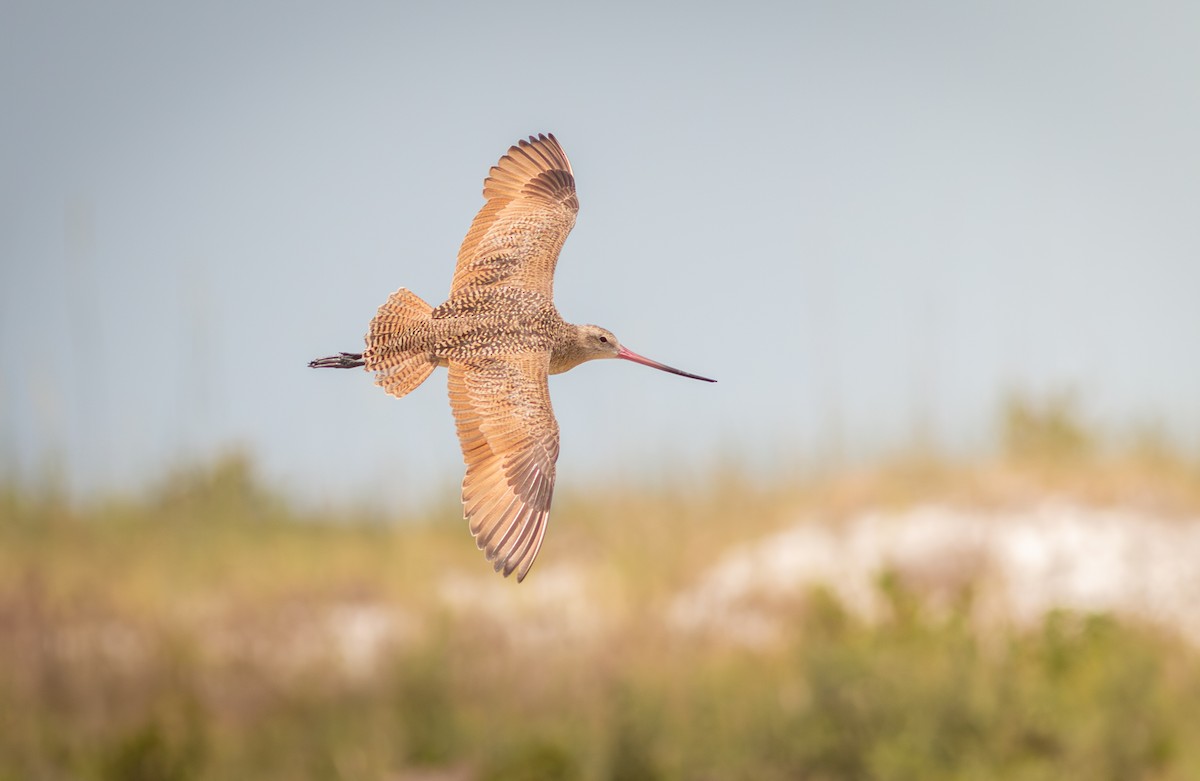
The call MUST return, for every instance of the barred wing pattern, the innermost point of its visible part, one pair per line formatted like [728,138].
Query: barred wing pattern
[510,443]
[515,238]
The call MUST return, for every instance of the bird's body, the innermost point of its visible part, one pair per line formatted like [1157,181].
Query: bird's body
[500,336]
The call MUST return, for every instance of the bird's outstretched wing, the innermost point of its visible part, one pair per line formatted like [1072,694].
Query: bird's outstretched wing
[510,442]
[517,235]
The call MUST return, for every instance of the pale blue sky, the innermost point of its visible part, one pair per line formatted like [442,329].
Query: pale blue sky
[854,215]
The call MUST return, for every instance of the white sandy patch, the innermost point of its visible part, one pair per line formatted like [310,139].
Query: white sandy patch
[1026,562]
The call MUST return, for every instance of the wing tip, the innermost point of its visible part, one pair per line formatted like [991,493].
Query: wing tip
[519,554]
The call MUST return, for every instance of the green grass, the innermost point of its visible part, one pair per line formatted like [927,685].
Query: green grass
[179,635]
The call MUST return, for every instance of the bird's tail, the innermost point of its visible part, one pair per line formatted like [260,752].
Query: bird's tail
[398,343]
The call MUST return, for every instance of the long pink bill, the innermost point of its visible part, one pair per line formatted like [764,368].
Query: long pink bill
[630,355]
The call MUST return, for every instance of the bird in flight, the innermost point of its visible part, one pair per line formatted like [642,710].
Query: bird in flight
[501,337]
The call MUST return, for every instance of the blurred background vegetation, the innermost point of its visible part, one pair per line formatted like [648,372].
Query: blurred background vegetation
[211,629]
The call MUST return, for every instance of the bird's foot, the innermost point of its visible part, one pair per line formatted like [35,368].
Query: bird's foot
[339,361]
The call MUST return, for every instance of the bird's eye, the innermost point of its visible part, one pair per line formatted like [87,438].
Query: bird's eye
[604,339]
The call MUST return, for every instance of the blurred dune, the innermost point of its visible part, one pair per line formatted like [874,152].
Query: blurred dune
[1027,616]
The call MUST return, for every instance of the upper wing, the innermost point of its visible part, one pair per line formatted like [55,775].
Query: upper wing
[517,235]
[510,442]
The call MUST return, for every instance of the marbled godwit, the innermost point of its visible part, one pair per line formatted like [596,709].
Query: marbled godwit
[501,337]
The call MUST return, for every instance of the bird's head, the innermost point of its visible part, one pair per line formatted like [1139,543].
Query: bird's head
[596,342]
[592,342]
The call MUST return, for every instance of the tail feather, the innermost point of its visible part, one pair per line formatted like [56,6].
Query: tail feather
[398,343]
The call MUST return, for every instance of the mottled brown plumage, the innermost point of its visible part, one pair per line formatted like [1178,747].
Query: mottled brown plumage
[501,337]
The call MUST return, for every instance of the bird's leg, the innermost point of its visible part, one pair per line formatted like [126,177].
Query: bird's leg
[339,361]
